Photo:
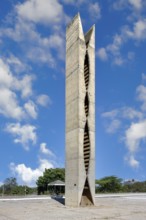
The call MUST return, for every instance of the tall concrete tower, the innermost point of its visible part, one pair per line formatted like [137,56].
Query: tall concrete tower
[80,115]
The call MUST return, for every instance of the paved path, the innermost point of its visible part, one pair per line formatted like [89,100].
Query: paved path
[124,207]
[124,195]
[24,198]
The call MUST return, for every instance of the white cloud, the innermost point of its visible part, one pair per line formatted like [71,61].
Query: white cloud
[9,86]
[132,161]
[40,55]
[111,114]
[141,96]
[94,10]
[135,30]
[31,109]
[40,49]
[130,113]
[118,61]
[102,54]
[54,40]
[82,1]
[44,100]
[24,134]
[44,11]
[112,50]
[27,175]
[131,55]
[113,126]
[139,30]
[25,86]
[75,2]
[9,81]
[6,78]
[134,135]
[143,76]
[69,1]
[44,150]
[124,112]
[19,31]
[34,46]
[45,164]
[137,4]
[17,65]
[133,123]
[121,4]
[9,106]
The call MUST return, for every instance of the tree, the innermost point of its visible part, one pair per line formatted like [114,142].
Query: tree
[109,184]
[23,190]
[9,185]
[135,187]
[49,175]
[41,185]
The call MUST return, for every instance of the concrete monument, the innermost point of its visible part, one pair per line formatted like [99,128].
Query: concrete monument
[80,115]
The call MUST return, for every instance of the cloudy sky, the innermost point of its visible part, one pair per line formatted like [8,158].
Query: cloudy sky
[32,85]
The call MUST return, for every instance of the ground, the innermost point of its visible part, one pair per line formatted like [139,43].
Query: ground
[127,207]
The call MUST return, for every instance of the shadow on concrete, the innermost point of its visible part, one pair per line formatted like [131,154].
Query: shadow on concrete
[59,199]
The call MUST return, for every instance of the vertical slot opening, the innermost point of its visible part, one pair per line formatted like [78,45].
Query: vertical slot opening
[86,70]
[86,105]
[86,148]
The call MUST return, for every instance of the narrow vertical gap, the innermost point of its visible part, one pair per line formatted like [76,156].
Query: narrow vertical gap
[86,147]
[86,70]
[86,196]
[86,105]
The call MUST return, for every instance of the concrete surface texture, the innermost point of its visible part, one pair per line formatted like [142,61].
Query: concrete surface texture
[80,115]
[121,207]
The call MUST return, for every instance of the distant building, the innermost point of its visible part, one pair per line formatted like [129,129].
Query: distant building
[129,181]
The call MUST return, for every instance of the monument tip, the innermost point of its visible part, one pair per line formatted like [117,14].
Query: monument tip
[76,17]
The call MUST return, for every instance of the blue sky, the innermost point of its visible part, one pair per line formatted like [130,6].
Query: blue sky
[32,85]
